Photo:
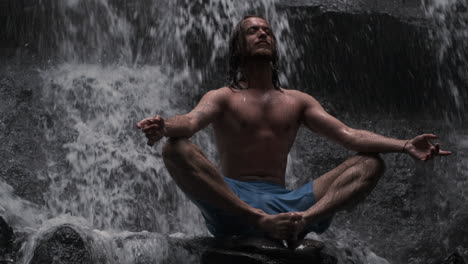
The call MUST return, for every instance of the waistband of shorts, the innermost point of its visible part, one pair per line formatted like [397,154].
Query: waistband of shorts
[256,182]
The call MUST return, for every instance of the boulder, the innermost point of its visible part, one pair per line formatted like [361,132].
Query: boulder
[63,245]
[454,258]
[6,241]
[261,250]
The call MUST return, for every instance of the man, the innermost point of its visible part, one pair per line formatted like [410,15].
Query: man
[255,124]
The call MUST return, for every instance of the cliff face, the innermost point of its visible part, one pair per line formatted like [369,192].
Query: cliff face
[76,77]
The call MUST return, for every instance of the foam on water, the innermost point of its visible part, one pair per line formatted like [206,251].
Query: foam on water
[18,212]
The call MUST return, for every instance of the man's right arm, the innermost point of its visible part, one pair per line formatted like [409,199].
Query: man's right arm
[208,109]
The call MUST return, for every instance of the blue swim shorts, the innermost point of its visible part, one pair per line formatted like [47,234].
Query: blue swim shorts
[270,197]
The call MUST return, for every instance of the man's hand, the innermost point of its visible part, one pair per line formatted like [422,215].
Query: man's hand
[153,128]
[421,147]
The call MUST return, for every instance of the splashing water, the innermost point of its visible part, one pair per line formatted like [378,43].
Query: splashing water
[450,35]
[17,211]
[103,171]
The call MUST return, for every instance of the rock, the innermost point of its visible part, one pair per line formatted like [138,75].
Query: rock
[6,241]
[455,258]
[261,250]
[62,246]
[228,257]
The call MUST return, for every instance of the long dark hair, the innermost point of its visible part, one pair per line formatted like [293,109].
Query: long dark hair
[236,53]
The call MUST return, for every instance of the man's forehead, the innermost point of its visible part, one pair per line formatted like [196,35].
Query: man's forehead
[255,21]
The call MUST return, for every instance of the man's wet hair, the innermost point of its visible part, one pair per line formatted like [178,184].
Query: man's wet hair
[236,53]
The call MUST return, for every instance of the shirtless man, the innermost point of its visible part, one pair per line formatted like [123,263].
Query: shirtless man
[255,124]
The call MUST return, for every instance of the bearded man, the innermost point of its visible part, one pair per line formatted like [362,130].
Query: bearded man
[255,123]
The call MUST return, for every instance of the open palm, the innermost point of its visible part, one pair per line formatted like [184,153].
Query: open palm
[421,147]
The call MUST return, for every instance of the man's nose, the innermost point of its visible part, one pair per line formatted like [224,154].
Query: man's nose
[262,33]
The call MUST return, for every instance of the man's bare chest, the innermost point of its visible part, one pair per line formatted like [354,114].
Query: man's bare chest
[276,113]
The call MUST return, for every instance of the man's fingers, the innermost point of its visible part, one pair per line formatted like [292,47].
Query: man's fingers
[433,150]
[429,136]
[142,123]
[145,122]
[161,121]
[444,153]
[150,128]
[150,121]
[296,217]
[284,216]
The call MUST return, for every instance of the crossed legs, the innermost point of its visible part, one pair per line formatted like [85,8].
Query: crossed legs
[199,178]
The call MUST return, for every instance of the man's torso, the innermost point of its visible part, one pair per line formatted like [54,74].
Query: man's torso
[256,131]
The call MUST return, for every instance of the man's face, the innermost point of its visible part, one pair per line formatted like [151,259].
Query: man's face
[259,42]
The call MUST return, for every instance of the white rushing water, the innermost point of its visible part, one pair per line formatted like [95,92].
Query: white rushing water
[450,35]
[105,173]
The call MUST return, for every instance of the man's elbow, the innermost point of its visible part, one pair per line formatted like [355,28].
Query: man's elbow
[349,139]
[193,128]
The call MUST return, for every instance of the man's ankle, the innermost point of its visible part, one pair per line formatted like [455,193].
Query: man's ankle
[255,216]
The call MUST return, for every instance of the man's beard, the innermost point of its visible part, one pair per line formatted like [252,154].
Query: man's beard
[263,55]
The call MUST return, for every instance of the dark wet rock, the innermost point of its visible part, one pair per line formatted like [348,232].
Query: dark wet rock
[6,236]
[157,248]
[63,245]
[213,256]
[455,258]
[261,250]
[6,242]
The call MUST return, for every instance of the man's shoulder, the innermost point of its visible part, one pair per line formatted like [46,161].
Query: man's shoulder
[302,97]
[295,93]
[219,92]
[224,92]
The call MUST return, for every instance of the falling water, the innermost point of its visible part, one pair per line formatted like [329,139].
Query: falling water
[103,171]
[450,36]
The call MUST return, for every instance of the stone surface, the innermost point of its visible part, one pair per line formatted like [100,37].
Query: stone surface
[6,239]
[409,10]
[213,256]
[454,258]
[64,245]
[261,250]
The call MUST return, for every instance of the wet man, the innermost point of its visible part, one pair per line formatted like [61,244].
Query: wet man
[255,123]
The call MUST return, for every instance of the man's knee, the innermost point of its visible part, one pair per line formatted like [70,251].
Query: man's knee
[176,149]
[373,164]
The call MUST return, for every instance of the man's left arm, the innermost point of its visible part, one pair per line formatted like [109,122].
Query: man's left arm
[319,121]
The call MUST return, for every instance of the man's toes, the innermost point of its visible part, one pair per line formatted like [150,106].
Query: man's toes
[296,216]
[284,216]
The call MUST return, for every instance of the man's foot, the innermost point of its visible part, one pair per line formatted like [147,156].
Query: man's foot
[284,226]
[297,235]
